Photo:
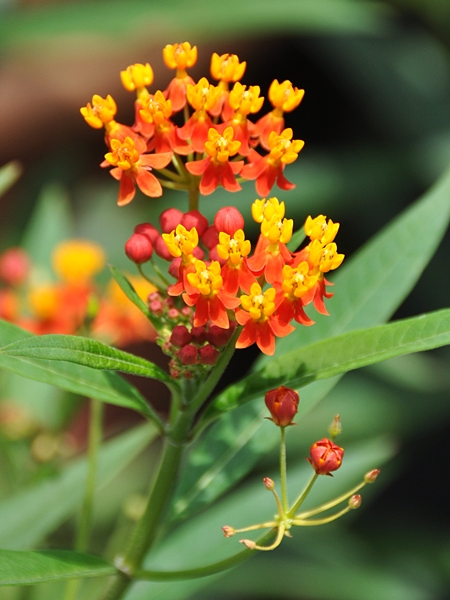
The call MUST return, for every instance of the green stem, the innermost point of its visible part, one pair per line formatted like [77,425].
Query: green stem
[331,503]
[218,567]
[146,529]
[284,494]
[171,175]
[216,373]
[193,198]
[302,496]
[159,273]
[172,185]
[85,522]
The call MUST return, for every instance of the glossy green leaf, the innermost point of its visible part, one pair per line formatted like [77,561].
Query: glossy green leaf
[86,352]
[340,354]
[26,568]
[9,174]
[28,516]
[102,385]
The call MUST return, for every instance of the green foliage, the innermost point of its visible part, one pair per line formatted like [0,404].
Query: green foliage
[9,174]
[25,568]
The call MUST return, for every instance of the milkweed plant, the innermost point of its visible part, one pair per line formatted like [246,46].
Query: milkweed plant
[202,291]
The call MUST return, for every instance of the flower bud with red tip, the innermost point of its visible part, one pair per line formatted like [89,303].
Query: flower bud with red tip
[148,230]
[325,456]
[194,218]
[169,219]
[162,250]
[188,355]
[283,405]
[139,248]
[228,219]
[371,475]
[180,336]
[208,355]
[269,484]
[228,531]
[14,266]
[355,501]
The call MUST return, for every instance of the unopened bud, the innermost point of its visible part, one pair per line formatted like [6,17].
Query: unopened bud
[198,335]
[228,219]
[188,355]
[325,456]
[180,336]
[269,484]
[162,250]
[148,230]
[173,313]
[371,475]
[208,355]
[210,237]
[169,219]
[282,404]
[194,218]
[250,544]
[217,336]
[139,248]
[336,427]
[228,531]
[355,501]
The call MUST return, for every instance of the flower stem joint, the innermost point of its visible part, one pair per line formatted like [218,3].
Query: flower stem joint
[282,403]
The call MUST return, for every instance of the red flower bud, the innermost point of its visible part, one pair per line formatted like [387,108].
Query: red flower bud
[210,238]
[198,253]
[217,336]
[174,267]
[194,218]
[325,456]
[162,250]
[148,230]
[139,248]
[228,219]
[228,531]
[199,335]
[269,484]
[169,219]
[371,475]
[14,266]
[180,336]
[282,404]
[355,501]
[208,355]
[188,355]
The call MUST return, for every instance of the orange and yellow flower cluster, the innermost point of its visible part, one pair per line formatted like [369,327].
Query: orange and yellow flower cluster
[209,125]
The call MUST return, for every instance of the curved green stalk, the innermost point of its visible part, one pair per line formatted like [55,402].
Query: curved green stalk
[302,496]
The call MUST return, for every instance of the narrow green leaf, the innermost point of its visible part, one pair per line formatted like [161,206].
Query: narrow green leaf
[9,174]
[129,291]
[340,354]
[86,352]
[26,568]
[28,516]
[102,385]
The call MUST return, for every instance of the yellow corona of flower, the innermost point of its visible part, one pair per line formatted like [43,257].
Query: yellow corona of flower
[267,209]
[324,258]
[319,229]
[221,147]
[277,230]
[297,281]
[101,112]
[227,67]
[78,261]
[203,95]
[285,96]
[233,248]
[155,109]
[124,154]
[245,101]
[207,280]
[136,76]
[260,305]
[283,149]
[180,56]
[181,242]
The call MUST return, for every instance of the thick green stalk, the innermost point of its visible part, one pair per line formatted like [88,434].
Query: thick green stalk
[284,494]
[302,496]
[146,529]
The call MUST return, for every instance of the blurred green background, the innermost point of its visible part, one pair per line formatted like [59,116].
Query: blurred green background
[376,121]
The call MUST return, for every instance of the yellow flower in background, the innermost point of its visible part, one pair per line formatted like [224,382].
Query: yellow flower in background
[77,261]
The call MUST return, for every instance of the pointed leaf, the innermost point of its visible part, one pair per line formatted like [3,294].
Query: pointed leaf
[340,354]
[129,291]
[25,568]
[104,386]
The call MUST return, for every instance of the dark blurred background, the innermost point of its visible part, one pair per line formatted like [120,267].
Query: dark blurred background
[376,121]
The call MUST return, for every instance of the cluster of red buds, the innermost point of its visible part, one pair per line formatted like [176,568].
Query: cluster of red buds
[325,457]
[214,129]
